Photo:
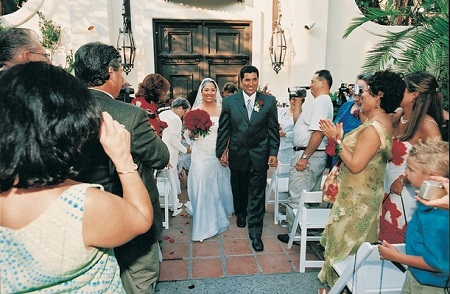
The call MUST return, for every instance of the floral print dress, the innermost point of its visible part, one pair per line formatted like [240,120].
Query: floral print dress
[354,217]
[396,210]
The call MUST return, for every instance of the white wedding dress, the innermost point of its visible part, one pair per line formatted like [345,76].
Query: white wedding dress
[209,188]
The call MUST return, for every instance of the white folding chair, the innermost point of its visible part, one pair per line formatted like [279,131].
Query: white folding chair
[164,188]
[307,217]
[365,272]
[278,183]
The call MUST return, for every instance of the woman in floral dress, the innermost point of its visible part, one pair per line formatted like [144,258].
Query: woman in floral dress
[365,152]
[422,116]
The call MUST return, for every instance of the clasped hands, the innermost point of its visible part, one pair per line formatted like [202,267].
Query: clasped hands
[331,131]
[273,160]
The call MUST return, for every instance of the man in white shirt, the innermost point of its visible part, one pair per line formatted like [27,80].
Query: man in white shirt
[309,160]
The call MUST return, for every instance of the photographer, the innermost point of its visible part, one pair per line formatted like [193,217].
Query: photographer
[342,95]
[125,93]
[308,162]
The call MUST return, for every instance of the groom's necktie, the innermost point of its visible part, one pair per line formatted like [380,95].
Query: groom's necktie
[249,108]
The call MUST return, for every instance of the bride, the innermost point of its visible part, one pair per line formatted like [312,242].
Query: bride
[209,188]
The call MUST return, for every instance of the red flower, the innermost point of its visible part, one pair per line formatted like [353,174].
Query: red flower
[198,122]
[258,104]
[356,113]
[332,191]
[330,148]
[398,152]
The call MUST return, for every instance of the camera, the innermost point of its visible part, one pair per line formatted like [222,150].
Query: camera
[358,90]
[297,91]
[432,190]
[341,98]
[124,94]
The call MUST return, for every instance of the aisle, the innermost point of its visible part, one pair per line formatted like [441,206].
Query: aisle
[228,254]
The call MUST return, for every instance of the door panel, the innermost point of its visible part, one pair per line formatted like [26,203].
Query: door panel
[186,52]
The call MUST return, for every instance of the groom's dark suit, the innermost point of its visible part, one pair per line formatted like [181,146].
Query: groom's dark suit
[251,142]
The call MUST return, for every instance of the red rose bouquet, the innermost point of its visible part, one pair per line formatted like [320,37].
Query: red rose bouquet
[198,122]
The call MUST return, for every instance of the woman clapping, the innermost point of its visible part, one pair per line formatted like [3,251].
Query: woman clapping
[365,152]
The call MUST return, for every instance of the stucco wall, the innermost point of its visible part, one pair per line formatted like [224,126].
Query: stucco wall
[308,50]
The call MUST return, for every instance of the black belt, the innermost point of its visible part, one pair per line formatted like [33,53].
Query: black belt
[304,148]
[299,148]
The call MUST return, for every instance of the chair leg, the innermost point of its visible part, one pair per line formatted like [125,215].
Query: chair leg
[302,265]
[294,229]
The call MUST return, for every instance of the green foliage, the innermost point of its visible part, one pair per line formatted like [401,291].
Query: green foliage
[69,62]
[422,46]
[51,33]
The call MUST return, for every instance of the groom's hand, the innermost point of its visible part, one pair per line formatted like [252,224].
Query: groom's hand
[273,161]
[224,158]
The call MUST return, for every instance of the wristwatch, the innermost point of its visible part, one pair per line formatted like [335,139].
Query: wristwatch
[304,156]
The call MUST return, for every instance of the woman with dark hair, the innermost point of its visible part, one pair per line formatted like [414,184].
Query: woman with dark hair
[365,151]
[54,234]
[153,89]
[420,121]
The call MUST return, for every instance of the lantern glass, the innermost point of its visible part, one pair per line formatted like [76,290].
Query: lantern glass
[277,49]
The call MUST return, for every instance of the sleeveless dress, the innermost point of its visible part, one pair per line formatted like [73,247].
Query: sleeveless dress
[354,217]
[209,188]
[48,255]
[395,212]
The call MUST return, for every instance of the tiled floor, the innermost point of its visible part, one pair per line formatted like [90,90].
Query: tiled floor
[228,254]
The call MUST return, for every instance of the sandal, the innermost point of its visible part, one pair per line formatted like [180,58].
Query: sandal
[323,290]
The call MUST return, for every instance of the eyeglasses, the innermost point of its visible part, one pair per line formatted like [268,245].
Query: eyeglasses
[46,55]
[358,90]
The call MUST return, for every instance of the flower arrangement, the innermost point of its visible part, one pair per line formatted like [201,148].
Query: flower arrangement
[264,90]
[330,148]
[258,104]
[198,122]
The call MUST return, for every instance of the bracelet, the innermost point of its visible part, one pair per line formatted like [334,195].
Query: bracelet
[338,146]
[135,167]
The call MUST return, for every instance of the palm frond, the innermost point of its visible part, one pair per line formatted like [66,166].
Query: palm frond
[372,14]
[382,55]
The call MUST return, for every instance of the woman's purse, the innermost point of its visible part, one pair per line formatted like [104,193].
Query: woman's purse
[330,188]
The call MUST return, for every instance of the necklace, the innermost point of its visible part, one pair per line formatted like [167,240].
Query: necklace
[404,121]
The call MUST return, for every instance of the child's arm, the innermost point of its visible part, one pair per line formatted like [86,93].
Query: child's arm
[389,252]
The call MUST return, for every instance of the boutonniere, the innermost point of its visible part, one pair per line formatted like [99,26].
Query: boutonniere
[258,104]
[356,113]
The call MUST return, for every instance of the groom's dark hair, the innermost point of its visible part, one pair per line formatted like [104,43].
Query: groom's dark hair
[249,69]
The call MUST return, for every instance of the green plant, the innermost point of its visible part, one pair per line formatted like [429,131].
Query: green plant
[69,62]
[422,46]
[51,32]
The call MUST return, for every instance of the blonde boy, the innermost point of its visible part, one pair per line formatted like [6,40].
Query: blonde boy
[427,234]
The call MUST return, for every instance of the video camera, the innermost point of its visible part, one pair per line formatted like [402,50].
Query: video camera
[342,98]
[297,91]
[124,94]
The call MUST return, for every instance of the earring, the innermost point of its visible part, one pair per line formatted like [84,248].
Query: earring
[376,105]
[413,100]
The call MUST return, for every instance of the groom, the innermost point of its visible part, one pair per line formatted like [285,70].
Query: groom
[248,141]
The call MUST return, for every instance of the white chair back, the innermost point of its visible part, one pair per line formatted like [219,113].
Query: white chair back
[365,272]
[308,217]
[278,183]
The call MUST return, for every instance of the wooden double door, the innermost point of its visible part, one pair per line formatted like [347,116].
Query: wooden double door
[188,51]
